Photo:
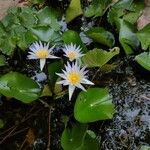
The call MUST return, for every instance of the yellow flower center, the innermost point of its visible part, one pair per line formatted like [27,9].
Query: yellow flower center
[74,78]
[72,55]
[42,53]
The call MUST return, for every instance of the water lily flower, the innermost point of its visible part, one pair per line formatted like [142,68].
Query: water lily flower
[74,76]
[72,52]
[42,52]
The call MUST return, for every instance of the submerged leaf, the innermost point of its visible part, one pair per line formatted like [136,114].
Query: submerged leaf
[1,123]
[93,105]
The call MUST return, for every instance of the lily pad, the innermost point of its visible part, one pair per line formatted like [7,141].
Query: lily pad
[127,37]
[19,86]
[71,36]
[97,8]
[99,57]
[144,37]
[144,60]
[48,16]
[73,138]
[46,34]
[93,105]
[73,10]
[100,35]
[78,138]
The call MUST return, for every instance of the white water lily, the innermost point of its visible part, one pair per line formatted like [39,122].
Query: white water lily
[42,52]
[74,76]
[72,52]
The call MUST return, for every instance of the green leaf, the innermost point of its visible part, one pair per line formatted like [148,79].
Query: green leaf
[26,39]
[48,16]
[89,143]
[73,37]
[144,37]
[2,60]
[74,10]
[145,147]
[19,86]
[97,8]
[100,35]
[46,91]
[144,60]
[89,108]
[46,34]
[118,10]
[54,68]
[127,37]
[79,138]
[135,12]
[27,17]
[72,139]
[36,2]
[99,57]
[1,123]
[8,44]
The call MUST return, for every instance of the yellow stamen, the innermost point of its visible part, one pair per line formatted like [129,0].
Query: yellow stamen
[42,53]
[72,55]
[74,78]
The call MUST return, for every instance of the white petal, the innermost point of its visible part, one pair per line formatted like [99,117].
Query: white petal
[52,57]
[80,87]
[31,57]
[85,81]
[62,82]
[61,75]
[42,63]
[71,90]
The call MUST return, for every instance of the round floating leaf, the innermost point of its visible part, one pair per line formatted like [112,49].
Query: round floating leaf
[48,16]
[78,138]
[93,105]
[46,34]
[144,60]
[99,57]
[73,138]
[73,10]
[19,86]
[73,37]
[97,8]
[127,37]
[100,35]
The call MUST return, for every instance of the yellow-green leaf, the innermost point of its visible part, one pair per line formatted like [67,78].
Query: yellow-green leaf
[73,10]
